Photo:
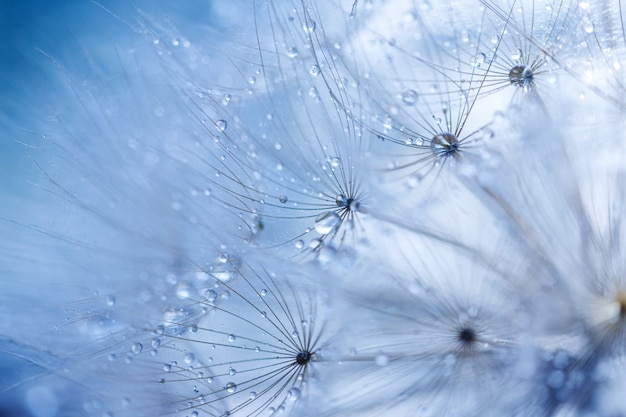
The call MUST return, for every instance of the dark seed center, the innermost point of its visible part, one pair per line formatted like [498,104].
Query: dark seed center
[467,335]
[303,358]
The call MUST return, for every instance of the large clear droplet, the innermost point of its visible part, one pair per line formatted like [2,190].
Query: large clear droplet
[327,222]
[409,97]
[221,125]
[231,387]
[444,144]
[521,75]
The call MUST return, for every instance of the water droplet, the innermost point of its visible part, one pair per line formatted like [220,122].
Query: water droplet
[231,387]
[495,39]
[210,295]
[110,300]
[232,338]
[293,394]
[292,52]
[299,244]
[327,222]
[232,372]
[252,395]
[444,144]
[382,360]
[221,125]
[314,70]
[409,97]
[136,348]
[516,54]
[521,75]
[282,199]
[334,162]
[478,60]
[263,292]
[465,36]
[251,80]
[308,25]
[167,367]
[189,358]
[226,99]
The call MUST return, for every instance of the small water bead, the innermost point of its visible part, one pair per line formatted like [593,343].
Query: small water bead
[294,394]
[283,199]
[495,39]
[516,54]
[263,292]
[409,97]
[210,295]
[382,360]
[232,338]
[444,144]
[253,395]
[314,70]
[221,125]
[110,300]
[299,244]
[231,387]
[327,222]
[308,26]
[292,52]
[521,75]
[232,372]
[335,161]
[136,348]
[189,358]
[478,60]
[226,99]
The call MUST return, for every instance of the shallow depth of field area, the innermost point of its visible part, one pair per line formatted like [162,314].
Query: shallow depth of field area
[313,208]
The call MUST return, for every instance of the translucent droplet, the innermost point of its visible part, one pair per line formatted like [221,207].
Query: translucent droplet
[308,25]
[282,199]
[314,70]
[444,144]
[334,162]
[232,338]
[495,39]
[253,395]
[221,125]
[299,244]
[293,394]
[478,60]
[231,387]
[263,292]
[189,358]
[327,222]
[382,360]
[110,300]
[465,36]
[521,75]
[292,52]
[409,97]
[516,54]
[136,348]
[226,99]
[232,372]
[210,295]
